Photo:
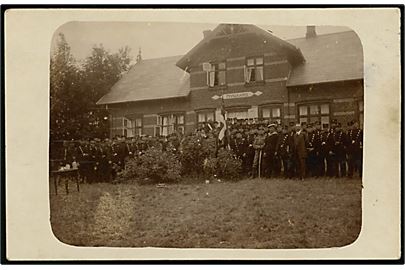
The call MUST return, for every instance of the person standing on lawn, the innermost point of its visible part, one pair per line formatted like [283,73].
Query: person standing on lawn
[258,145]
[354,149]
[283,151]
[269,151]
[300,149]
[340,151]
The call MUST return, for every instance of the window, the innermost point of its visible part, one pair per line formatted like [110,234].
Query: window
[132,127]
[311,113]
[237,114]
[137,126]
[272,113]
[170,123]
[254,70]
[204,117]
[217,75]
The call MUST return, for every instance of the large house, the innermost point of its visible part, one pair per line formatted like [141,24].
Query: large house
[254,73]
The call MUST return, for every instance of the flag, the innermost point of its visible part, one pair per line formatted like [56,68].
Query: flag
[222,120]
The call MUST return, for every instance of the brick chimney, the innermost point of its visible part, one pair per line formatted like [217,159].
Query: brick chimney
[206,33]
[311,33]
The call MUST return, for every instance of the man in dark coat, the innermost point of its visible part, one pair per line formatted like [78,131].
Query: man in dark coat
[269,151]
[283,151]
[300,149]
[312,154]
[340,151]
[354,149]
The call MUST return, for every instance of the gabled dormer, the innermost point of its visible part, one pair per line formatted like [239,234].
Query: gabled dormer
[235,54]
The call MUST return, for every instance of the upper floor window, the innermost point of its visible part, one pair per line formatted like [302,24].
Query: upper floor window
[254,70]
[216,76]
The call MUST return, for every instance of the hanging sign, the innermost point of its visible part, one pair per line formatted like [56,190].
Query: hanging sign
[237,95]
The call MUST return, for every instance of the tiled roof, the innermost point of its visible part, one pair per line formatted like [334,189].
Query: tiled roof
[328,58]
[150,79]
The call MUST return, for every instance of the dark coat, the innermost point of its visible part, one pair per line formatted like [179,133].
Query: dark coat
[300,144]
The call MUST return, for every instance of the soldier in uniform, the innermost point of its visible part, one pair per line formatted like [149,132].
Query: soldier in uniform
[354,149]
[258,145]
[330,154]
[283,151]
[242,145]
[312,154]
[250,151]
[340,151]
[104,172]
[300,150]
[317,144]
[269,152]
[324,150]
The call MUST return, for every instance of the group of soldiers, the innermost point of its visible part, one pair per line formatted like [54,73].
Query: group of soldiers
[101,160]
[298,150]
[265,150]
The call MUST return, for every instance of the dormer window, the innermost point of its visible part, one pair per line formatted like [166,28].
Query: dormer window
[254,70]
[216,75]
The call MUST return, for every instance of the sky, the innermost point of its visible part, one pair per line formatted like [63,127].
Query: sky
[156,39]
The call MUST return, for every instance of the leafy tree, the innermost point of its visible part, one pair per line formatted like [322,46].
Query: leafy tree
[101,71]
[64,90]
[75,89]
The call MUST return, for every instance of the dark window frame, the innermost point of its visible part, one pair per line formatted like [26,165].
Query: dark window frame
[216,72]
[271,107]
[319,115]
[176,125]
[255,66]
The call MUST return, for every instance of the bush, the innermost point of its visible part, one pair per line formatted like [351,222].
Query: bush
[193,153]
[224,166]
[153,166]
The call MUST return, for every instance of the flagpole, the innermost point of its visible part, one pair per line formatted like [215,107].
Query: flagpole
[225,118]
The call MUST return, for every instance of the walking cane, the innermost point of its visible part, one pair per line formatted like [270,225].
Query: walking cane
[260,162]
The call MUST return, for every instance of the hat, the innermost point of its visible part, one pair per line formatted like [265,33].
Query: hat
[292,124]
[271,125]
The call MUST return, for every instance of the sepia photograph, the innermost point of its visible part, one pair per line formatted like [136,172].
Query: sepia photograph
[189,135]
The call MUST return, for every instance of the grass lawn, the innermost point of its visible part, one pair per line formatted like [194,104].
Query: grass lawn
[259,213]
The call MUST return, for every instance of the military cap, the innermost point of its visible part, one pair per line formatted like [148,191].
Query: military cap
[272,125]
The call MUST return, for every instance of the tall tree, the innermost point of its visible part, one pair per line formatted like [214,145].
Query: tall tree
[64,90]
[75,89]
[101,71]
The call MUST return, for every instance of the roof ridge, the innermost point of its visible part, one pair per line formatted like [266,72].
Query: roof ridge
[322,35]
[164,57]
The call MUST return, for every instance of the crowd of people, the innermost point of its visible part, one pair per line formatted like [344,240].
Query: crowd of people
[265,149]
